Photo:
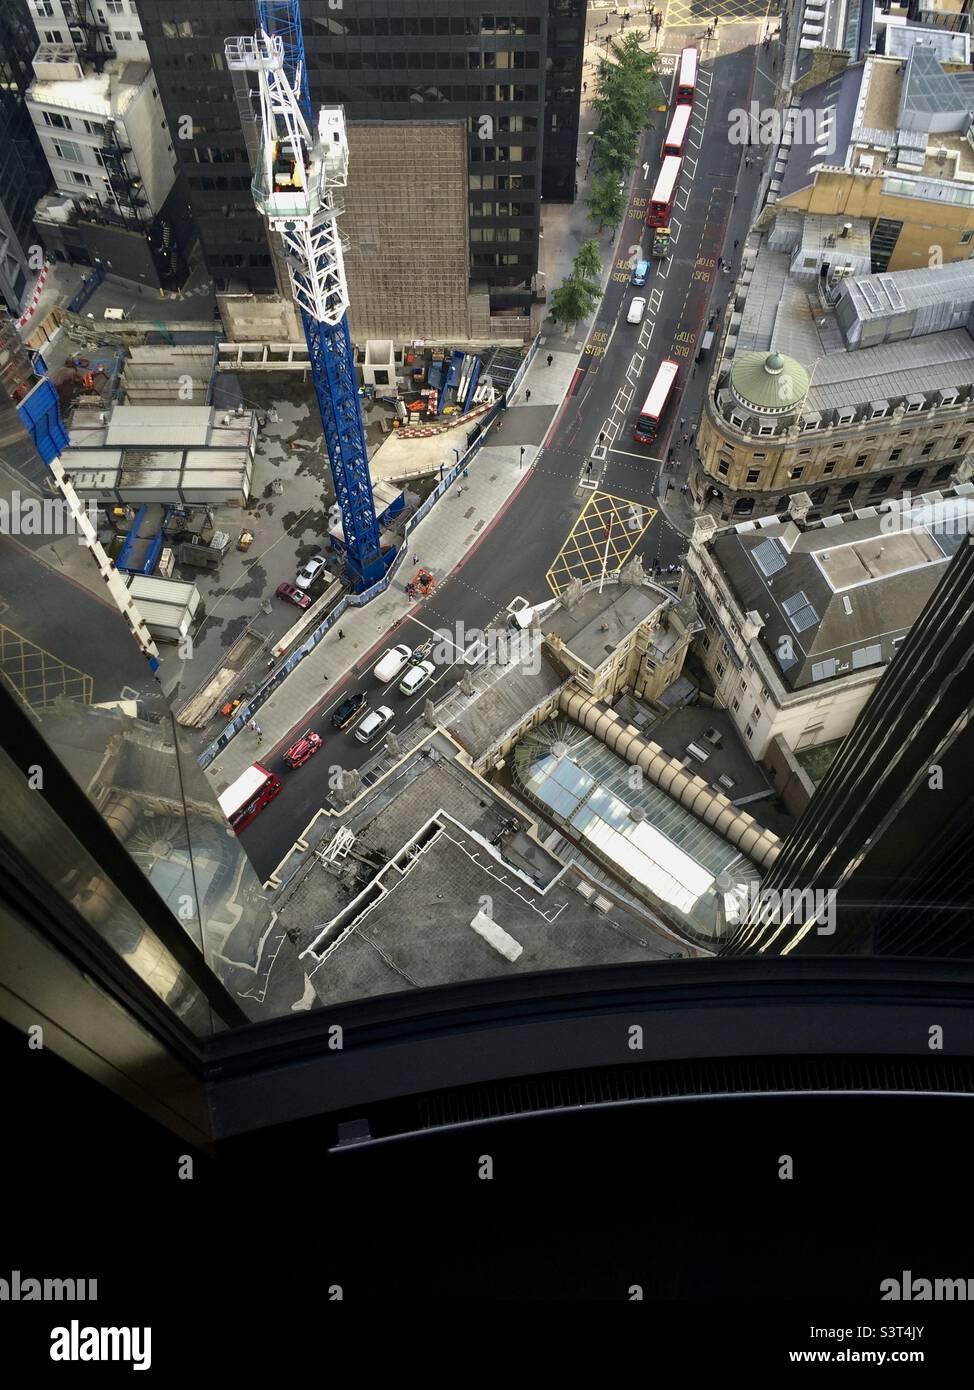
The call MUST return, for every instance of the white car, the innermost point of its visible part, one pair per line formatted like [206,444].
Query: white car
[636,310]
[372,725]
[416,677]
[311,571]
[395,660]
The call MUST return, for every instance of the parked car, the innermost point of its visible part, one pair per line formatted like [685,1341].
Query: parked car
[636,310]
[349,710]
[293,595]
[305,748]
[311,571]
[373,723]
[392,663]
[416,677]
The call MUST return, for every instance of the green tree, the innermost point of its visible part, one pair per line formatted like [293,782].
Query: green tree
[574,299]
[606,201]
[588,263]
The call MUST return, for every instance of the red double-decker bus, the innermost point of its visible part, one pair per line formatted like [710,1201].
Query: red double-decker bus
[675,137]
[646,426]
[661,198]
[686,76]
[248,795]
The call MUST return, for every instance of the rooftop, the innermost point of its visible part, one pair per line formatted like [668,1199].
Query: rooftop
[839,598]
[108,93]
[391,917]
[597,624]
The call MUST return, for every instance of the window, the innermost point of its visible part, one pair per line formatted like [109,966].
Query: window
[861,460]
[735,703]
[927,449]
[749,732]
[722,468]
[959,443]
[115,6]
[53,36]
[965,237]
[795,473]
[44,8]
[894,454]
[67,149]
[93,127]
[719,669]
[829,467]
[744,686]
[756,714]
[81,178]
[57,121]
[753,475]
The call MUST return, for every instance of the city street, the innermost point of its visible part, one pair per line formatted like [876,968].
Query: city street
[554,528]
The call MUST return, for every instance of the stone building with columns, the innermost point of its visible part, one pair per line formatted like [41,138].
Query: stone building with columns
[847,386]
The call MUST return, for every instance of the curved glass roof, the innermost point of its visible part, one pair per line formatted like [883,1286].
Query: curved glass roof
[664,848]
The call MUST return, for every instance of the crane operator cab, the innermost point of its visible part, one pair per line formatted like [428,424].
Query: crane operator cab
[287,176]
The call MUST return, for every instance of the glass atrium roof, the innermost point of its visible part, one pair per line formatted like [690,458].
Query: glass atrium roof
[664,847]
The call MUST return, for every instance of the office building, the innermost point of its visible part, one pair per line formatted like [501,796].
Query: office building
[889,828]
[98,115]
[24,176]
[489,89]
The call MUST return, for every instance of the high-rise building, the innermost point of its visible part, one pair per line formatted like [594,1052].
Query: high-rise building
[98,116]
[509,84]
[24,175]
[889,827]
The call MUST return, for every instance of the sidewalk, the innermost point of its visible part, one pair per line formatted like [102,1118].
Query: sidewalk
[456,524]
[567,226]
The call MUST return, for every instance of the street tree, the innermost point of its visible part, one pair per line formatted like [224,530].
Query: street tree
[574,299]
[588,262]
[606,201]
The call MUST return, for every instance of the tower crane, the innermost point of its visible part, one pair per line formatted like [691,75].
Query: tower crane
[302,165]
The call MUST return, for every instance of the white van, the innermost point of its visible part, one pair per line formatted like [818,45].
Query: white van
[117,314]
[395,659]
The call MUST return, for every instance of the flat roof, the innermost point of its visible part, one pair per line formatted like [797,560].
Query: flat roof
[593,629]
[185,425]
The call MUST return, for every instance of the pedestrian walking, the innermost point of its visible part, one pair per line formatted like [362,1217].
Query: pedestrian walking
[692,434]
[584,86]
[527,397]
[340,634]
[736,245]
[686,437]
[683,422]
[459,490]
[550,359]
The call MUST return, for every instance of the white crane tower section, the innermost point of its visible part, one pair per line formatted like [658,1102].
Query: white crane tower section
[298,175]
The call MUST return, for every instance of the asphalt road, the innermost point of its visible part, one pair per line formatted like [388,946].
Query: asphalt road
[516,554]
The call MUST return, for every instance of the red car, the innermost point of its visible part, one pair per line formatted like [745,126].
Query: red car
[306,746]
[293,595]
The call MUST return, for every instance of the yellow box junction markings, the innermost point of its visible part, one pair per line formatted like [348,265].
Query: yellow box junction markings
[682,14]
[604,517]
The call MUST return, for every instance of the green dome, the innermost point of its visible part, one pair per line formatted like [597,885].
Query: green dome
[769,381]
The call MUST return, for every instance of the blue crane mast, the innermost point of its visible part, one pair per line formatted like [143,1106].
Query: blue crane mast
[302,165]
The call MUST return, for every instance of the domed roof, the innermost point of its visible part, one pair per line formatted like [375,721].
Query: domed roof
[769,380]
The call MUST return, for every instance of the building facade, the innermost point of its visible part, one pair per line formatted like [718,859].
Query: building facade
[800,620]
[500,78]
[24,176]
[889,828]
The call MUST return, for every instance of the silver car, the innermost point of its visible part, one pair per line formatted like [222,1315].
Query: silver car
[372,725]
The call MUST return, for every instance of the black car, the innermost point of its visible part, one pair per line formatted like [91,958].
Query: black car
[349,710]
